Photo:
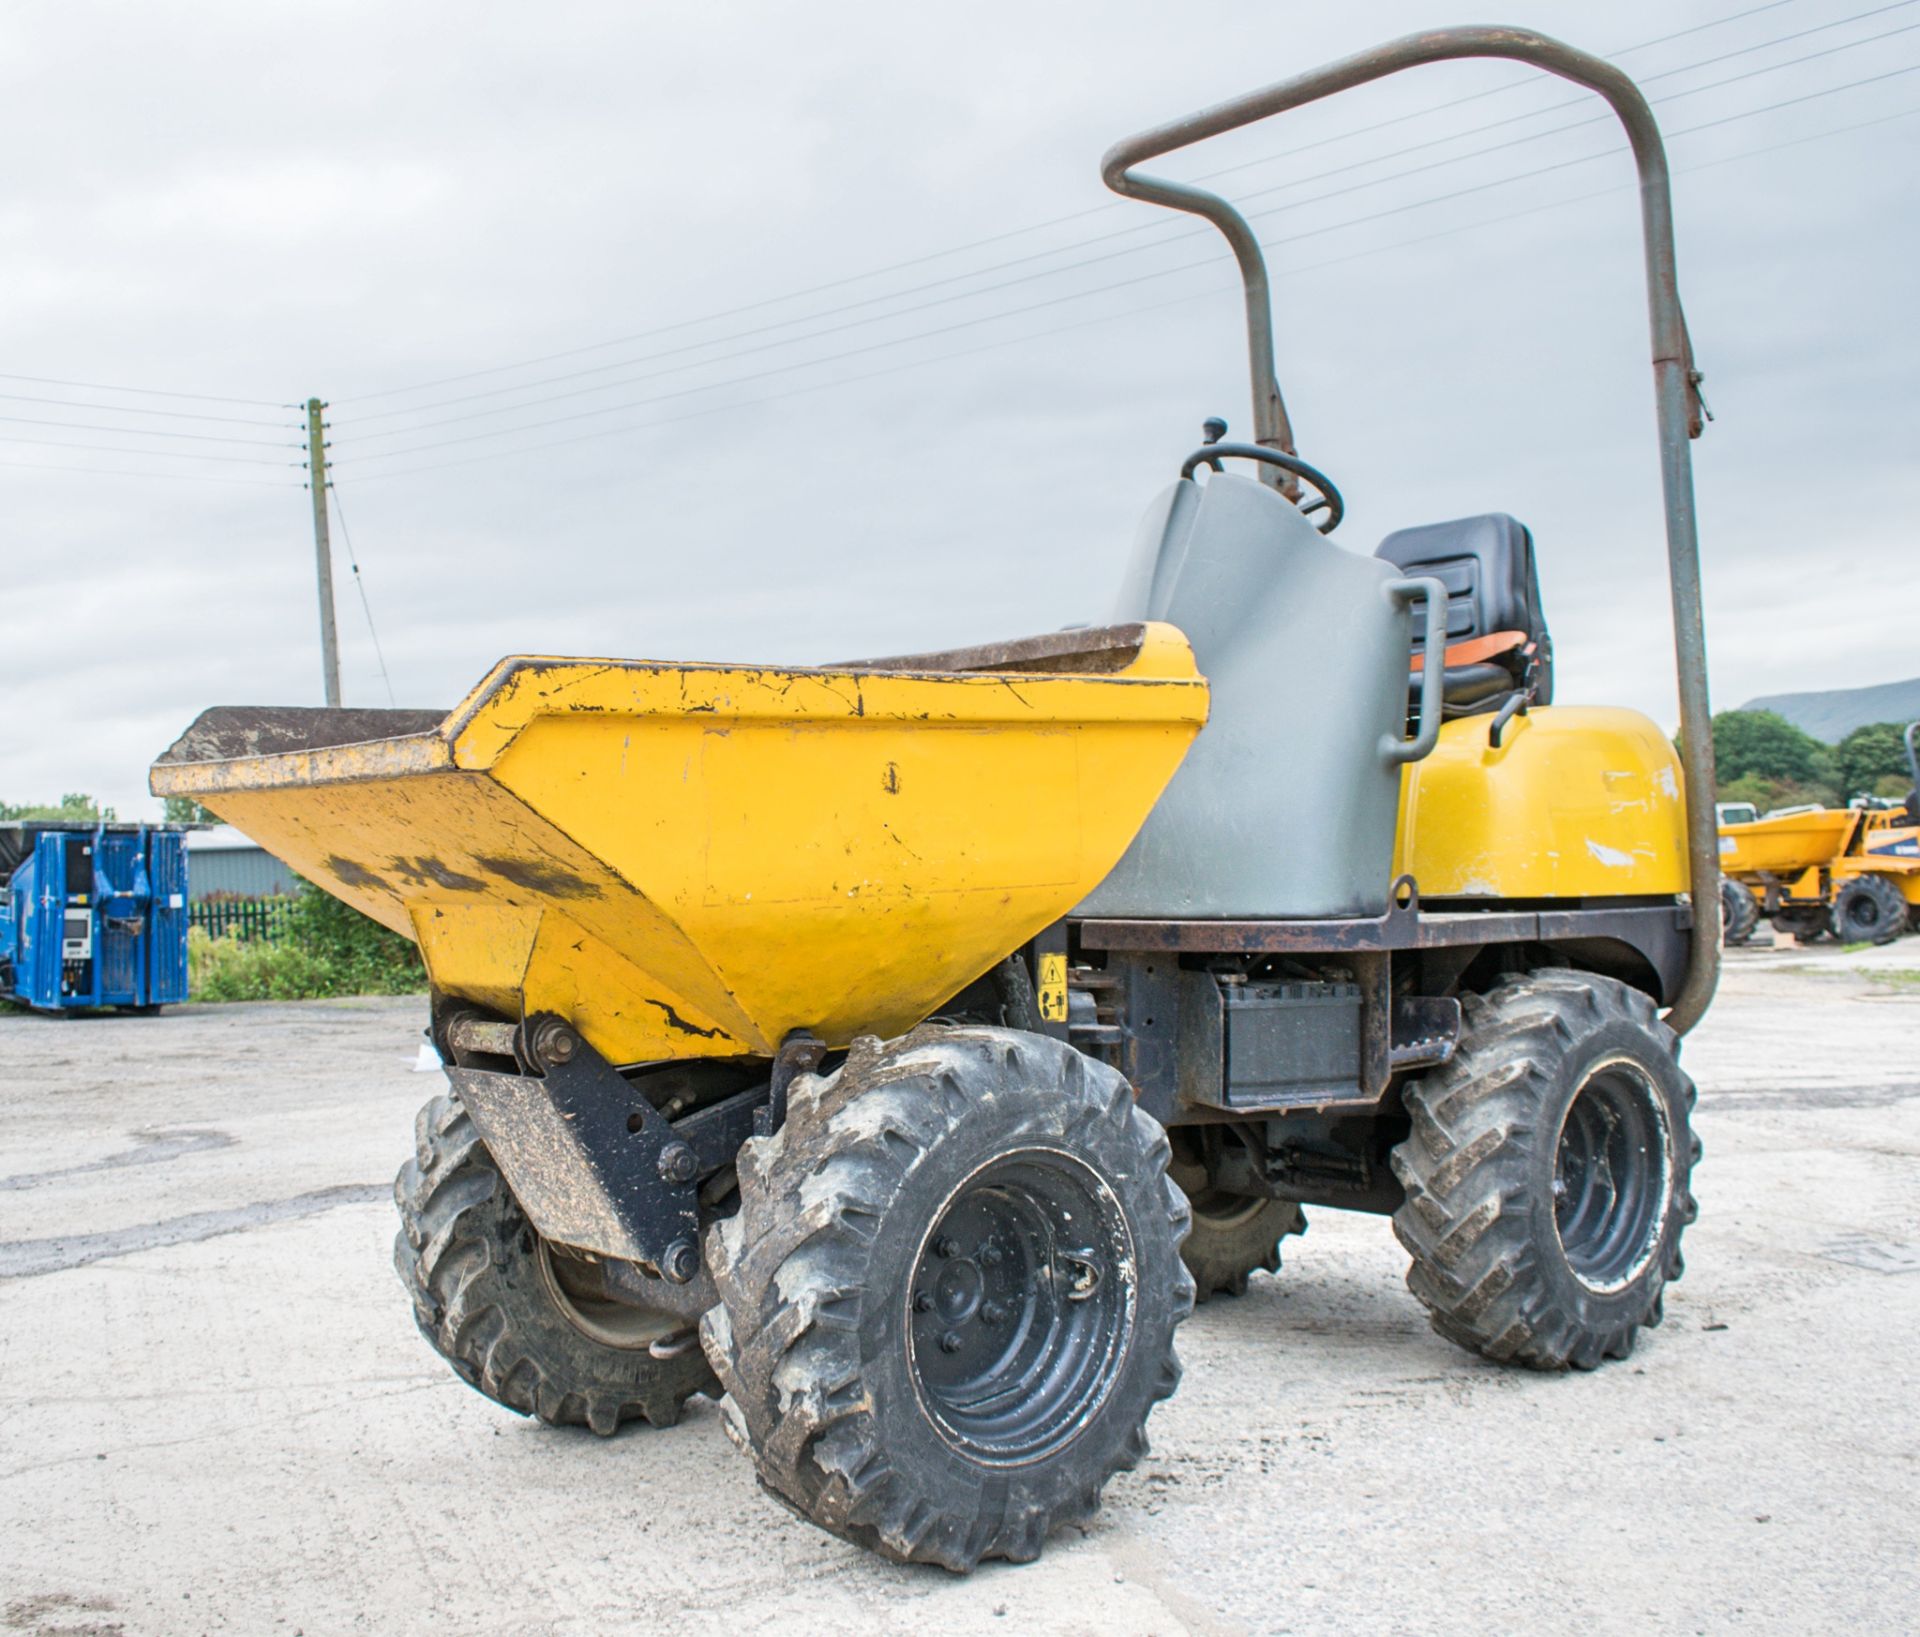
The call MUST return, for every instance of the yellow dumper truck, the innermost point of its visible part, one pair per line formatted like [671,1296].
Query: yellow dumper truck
[898,1047]
[1850,871]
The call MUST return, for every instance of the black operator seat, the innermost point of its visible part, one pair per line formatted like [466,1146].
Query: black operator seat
[1497,641]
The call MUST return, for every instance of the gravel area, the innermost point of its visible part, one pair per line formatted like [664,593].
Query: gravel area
[215,1413]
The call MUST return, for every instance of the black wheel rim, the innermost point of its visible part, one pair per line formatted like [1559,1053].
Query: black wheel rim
[1612,1171]
[1021,1306]
[1223,1212]
[573,1287]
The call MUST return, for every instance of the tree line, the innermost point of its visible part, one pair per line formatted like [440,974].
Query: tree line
[1761,757]
[79,808]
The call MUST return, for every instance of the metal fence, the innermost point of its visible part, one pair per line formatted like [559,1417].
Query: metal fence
[264,918]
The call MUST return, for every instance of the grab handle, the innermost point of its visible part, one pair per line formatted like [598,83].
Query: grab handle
[1433,674]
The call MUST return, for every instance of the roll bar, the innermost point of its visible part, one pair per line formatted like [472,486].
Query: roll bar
[1680,409]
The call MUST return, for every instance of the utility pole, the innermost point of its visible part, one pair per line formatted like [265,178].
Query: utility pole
[322,546]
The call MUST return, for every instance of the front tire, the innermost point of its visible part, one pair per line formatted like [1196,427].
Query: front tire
[1548,1173]
[949,1295]
[1869,909]
[517,1320]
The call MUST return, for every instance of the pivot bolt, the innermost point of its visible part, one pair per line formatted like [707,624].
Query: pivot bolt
[922,1302]
[947,1245]
[554,1043]
[677,1163]
[680,1261]
[992,1312]
[950,1342]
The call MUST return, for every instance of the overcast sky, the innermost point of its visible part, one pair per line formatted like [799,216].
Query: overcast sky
[859,354]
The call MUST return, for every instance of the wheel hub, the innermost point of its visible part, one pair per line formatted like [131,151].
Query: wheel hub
[1020,1306]
[1612,1177]
[956,1293]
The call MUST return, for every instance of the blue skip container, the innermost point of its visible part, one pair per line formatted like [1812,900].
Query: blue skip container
[93,915]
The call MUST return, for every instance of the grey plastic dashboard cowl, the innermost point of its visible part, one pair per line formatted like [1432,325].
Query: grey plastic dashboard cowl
[1287,803]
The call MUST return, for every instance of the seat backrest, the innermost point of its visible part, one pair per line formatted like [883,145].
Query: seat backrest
[1486,564]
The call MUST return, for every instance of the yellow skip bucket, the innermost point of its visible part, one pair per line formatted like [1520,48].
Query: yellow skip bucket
[692,860]
[1788,845]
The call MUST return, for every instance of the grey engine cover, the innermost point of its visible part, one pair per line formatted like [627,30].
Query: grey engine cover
[1286,805]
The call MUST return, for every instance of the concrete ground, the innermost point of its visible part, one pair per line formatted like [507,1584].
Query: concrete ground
[215,1413]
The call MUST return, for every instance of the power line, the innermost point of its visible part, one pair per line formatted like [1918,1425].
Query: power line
[1606,116]
[138,409]
[150,392]
[1058,221]
[609,409]
[1165,238]
[115,471]
[142,432]
[1133,312]
[151,454]
[360,585]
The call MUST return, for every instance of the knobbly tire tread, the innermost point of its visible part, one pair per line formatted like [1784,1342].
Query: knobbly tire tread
[1222,1260]
[1804,925]
[1478,1268]
[793,1269]
[1739,911]
[467,1256]
[1888,924]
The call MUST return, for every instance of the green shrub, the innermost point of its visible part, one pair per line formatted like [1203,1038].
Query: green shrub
[234,968]
[1770,794]
[365,958]
[326,949]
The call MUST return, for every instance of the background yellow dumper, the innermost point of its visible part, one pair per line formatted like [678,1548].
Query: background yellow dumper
[1850,871]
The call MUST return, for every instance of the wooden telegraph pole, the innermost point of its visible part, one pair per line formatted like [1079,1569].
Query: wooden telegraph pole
[322,547]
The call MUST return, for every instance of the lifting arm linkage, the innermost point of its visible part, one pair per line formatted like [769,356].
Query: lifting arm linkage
[1676,381]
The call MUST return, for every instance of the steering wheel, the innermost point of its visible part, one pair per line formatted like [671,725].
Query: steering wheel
[1328,499]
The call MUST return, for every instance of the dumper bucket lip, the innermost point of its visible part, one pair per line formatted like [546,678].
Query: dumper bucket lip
[295,744]
[1145,672]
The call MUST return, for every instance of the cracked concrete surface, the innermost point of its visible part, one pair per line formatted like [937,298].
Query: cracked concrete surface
[225,1421]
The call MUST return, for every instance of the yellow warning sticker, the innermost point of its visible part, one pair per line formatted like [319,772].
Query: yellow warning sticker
[1053,988]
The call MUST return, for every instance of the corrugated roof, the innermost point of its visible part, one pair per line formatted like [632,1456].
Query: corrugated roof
[221,838]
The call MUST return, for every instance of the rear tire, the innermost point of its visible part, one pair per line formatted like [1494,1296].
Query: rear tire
[1739,911]
[509,1314]
[1548,1173]
[1804,925]
[1869,909]
[949,1296]
[1234,1236]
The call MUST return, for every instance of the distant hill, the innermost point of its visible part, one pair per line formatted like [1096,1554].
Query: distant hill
[1833,715]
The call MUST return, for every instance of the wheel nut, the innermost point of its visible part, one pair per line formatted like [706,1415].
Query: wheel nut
[680,1261]
[677,1163]
[993,1312]
[922,1302]
[992,1254]
[947,1245]
[950,1342]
